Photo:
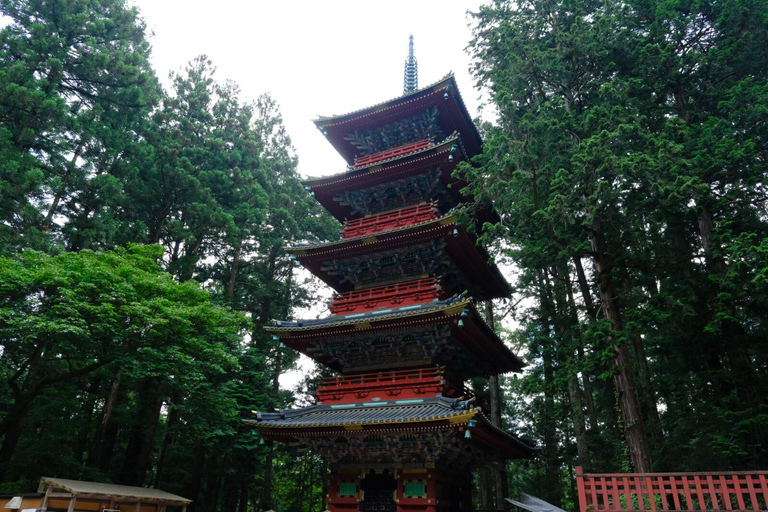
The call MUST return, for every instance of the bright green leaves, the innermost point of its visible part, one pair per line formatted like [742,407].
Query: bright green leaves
[88,308]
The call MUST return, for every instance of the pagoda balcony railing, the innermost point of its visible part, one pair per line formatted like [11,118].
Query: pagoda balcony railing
[393,295]
[382,378]
[366,160]
[400,384]
[735,490]
[390,220]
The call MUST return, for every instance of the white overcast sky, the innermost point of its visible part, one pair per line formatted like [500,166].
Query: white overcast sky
[315,57]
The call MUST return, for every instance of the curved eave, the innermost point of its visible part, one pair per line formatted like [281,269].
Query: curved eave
[453,113]
[336,119]
[341,325]
[326,188]
[445,420]
[500,441]
[330,249]
[493,349]
[474,334]
[371,414]
[465,254]
[345,180]
[485,435]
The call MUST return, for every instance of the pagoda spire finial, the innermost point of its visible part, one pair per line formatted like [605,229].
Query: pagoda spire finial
[411,75]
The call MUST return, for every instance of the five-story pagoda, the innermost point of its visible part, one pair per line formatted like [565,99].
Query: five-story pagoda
[398,427]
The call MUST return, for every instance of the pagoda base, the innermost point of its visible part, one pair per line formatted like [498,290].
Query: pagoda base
[385,488]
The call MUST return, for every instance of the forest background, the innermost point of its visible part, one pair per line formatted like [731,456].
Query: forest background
[141,234]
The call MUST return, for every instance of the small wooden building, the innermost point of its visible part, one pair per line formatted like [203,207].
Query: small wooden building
[60,494]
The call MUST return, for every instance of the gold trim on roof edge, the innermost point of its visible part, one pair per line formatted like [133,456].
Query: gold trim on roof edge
[455,418]
[447,310]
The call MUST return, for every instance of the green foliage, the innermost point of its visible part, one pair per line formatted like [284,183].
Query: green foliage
[120,358]
[74,83]
[69,317]
[631,140]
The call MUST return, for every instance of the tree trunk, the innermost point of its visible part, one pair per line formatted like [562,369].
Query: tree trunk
[589,305]
[142,440]
[586,294]
[89,411]
[10,441]
[232,280]
[242,504]
[266,493]
[737,355]
[157,231]
[566,310]
[214,482]
[266,303]
[500,470]
[230,492]
[579,432]
[60,192]
[173,419]
[648,405]
[548,424]
[96,454]
[549,430]
[624,377]
[486,485]
[647,397]
[192,257]
[195,483]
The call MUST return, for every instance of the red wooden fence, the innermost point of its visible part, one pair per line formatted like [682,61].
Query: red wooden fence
[736,490]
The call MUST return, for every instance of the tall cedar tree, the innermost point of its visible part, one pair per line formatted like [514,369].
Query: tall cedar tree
[74,83]
[628,163]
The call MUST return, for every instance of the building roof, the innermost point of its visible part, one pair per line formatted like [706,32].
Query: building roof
[344,177]
[472,348]
[481,278]
[120,492]
[328,190]
[368,413]
[456,302]
[396,414]
[442,95]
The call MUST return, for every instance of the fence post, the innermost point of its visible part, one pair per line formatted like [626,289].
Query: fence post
[580,486]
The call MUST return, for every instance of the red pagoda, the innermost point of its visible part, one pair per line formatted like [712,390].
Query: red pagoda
[398,427]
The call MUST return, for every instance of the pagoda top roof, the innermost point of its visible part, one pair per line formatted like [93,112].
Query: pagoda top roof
[453,116]
[451,412]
